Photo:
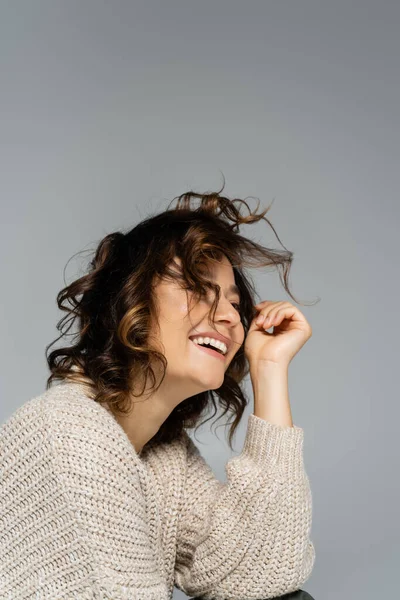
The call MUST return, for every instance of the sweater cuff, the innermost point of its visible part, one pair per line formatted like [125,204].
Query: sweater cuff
[274,448]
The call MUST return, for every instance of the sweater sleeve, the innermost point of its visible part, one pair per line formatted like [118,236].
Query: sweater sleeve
[73,520]
[247,538]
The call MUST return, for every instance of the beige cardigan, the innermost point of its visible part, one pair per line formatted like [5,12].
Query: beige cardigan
[82,515]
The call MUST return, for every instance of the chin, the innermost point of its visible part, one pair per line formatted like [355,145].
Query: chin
[206,381]
[213,384]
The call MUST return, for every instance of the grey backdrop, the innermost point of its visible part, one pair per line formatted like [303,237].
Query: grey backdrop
[110,109]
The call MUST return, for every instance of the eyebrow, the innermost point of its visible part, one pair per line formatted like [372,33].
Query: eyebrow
[234,289]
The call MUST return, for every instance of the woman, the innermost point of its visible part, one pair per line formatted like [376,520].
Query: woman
[104,494]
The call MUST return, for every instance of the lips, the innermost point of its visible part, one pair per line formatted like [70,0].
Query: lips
[210,351]
[213,334]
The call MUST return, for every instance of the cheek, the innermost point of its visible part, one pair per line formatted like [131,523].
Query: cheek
[183,308]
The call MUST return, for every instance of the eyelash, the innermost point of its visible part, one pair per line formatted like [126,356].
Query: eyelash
[237,304]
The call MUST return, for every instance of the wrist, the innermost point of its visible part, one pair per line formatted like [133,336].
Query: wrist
[271,393]
[268,369]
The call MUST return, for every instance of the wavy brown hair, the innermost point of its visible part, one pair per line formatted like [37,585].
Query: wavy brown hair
[113,304]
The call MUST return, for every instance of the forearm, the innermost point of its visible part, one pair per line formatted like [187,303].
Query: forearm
[271,394]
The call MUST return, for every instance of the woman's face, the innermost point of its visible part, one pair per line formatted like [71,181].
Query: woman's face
[195,368]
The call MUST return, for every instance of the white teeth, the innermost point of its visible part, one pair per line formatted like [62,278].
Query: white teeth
[212,342]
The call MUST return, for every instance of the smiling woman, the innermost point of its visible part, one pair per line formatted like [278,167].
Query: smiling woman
[147,285]
[104,493]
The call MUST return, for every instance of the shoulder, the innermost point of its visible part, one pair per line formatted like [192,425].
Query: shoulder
[71,478]
[61,448]
[67,430]
[63,401]
[58,401]
[23,433]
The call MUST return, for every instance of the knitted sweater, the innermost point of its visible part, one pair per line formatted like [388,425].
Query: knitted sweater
[84,516]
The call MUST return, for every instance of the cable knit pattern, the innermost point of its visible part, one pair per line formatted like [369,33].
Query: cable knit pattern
[83,516]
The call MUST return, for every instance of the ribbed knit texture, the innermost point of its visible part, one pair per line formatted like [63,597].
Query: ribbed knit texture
[83,516]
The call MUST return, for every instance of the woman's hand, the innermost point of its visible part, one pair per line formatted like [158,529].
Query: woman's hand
[291,331]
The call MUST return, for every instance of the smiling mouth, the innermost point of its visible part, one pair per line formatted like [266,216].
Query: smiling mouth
[210,350]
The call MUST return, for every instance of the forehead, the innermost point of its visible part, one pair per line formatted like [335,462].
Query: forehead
[211,267]
[217,270]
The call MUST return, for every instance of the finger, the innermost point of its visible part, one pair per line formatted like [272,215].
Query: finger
[277,314]
[260,319]
[263,314]
[272,306]
[263,317]
[267,306]
[265,303]
[285,312]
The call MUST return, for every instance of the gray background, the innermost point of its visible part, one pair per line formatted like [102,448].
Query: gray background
[110,109]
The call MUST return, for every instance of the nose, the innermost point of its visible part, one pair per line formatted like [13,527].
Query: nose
[226,311]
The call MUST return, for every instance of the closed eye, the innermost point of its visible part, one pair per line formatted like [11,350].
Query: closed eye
[236,304]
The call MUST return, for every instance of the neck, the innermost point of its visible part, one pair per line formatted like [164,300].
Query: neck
[149,411]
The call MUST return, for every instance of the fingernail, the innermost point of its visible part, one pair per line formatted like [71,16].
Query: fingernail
[260,319]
